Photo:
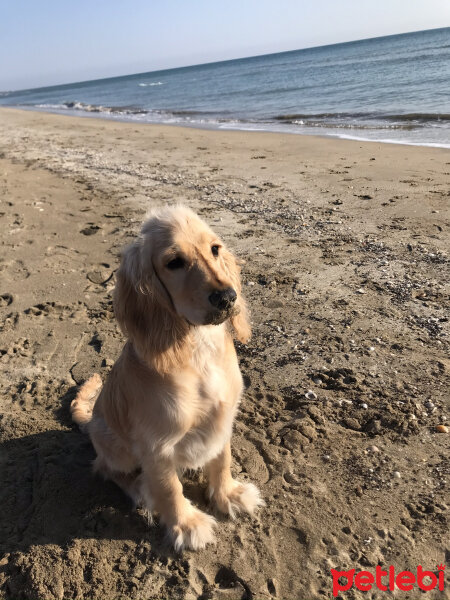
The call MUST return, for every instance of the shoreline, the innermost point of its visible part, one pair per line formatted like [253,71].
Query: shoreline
[346,271]
[246,127]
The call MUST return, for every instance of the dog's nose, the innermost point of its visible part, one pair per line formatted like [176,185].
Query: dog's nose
[223,299]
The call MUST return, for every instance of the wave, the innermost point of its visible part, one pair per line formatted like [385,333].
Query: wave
[197,113]
[122,110]
[409,119]
[150,83]
[422,129]
[154,114]
[339,120]
[423,117]
[403,142]
[127,110]
[132,110]
[95,108]
[352,125]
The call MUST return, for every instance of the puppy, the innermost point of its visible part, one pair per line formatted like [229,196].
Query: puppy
[171,397]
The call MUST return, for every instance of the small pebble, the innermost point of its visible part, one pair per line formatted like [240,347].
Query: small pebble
[429,404]
[360,291]
[442,428]
[365,406]
[371,348]
[373,449]
[397,475]
[310,395]
[99,276]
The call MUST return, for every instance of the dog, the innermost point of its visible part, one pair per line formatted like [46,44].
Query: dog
[170,400]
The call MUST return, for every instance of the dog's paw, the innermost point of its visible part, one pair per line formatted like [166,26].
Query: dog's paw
[194,530]
[237,497]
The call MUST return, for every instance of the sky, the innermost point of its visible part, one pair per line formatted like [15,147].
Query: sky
[50,42]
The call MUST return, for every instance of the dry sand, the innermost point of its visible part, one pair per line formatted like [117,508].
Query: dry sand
[347,277]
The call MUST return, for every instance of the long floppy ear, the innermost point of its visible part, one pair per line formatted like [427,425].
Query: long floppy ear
[130,298]
[240,321]
[143,309]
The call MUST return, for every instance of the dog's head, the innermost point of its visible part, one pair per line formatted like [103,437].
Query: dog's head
[178,273]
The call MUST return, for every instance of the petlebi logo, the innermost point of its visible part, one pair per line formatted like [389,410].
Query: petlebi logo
[389,579]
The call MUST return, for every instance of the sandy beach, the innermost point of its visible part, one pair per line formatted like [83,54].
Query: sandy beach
[347,374]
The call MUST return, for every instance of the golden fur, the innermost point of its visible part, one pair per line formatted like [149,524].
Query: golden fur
[171,397]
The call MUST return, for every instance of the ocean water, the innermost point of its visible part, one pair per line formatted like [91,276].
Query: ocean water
[391,89]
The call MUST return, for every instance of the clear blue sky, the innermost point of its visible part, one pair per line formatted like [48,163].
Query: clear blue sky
[46,42]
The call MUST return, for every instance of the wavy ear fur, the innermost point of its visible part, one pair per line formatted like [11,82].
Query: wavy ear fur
[241,321]
[144,311]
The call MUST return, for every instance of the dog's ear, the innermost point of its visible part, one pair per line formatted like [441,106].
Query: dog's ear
[144,309]
[241,321]
[130,296]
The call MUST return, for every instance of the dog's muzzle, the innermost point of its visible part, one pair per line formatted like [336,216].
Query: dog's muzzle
[224,303]
[223,300]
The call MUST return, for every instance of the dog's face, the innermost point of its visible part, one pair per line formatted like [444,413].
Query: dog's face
[193,267]
[177,273]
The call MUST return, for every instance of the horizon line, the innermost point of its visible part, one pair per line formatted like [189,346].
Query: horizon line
[214,62]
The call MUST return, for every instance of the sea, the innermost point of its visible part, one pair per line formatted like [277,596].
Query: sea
[387,89]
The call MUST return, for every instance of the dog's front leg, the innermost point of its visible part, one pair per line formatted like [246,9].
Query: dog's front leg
[230,496]
[187,526]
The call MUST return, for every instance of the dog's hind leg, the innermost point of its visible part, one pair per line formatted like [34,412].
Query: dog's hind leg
[130,482]
[114,459]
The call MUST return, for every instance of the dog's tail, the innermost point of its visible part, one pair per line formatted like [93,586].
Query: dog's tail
[82,405]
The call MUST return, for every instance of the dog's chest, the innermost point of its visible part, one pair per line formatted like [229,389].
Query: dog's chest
[219,386]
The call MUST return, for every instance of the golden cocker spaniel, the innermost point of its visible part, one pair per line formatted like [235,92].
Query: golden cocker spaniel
[170,399]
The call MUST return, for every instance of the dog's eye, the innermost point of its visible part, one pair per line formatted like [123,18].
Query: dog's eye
[175,263]
[215,250]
